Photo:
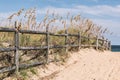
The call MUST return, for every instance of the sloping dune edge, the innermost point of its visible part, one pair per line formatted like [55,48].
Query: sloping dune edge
[86,64]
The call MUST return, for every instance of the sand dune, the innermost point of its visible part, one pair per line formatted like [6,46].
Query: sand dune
[92,65]
[87,64]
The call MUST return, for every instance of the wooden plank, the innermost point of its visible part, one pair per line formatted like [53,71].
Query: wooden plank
[7,69]
[52,34]
[75,35]
[31,32]
[6,49]
[58,46]
[75,45]
[88,45]
[102,39]
[22,66]
[32,48]
[2,29]
[42,47]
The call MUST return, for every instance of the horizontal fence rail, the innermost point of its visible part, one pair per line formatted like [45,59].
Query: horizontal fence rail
[105,45]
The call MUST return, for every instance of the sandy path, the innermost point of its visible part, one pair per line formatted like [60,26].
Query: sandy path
[92,65]
[87,64]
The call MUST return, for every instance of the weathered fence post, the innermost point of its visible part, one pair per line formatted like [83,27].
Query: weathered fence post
[97,44]
[79,40]
[106,45]
[16,37]
[66,42]
[47,43]
[88,38]
[110,45]
[102,45]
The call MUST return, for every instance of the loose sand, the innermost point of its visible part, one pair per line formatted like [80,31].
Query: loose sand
[92,65]
[87,64]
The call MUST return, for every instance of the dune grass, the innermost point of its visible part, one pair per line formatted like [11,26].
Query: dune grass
[74,24]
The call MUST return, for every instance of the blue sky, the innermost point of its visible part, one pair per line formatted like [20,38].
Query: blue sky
[8,5]
[102,12]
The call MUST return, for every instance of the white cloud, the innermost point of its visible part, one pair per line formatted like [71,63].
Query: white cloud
[3,18]
[104,15]
[100,10]
[60,11]
[5,15]
[97,11]
[110,24]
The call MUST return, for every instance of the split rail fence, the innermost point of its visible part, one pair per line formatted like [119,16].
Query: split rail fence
[17,47]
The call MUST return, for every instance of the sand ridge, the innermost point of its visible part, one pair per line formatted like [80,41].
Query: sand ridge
[86,64]
[92,65]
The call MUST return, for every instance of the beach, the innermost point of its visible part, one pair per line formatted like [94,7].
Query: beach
[92,65]
[86,64]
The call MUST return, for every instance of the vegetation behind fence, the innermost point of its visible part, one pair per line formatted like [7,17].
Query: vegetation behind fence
[67,43]
[31,42]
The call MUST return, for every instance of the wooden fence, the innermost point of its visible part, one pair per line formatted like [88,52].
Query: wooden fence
[105,44]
